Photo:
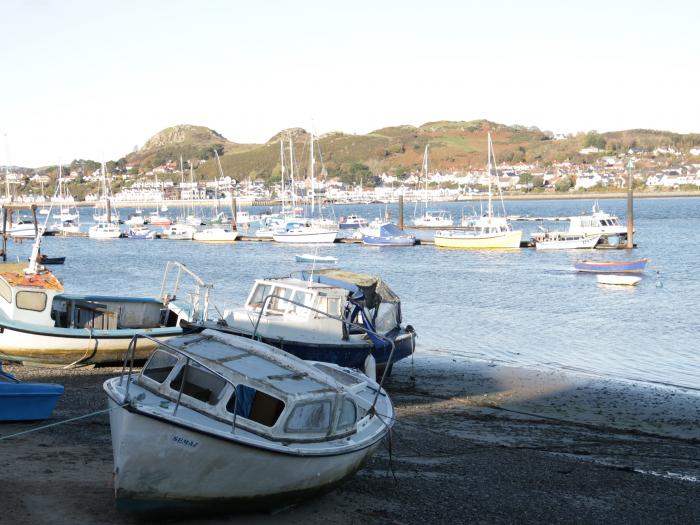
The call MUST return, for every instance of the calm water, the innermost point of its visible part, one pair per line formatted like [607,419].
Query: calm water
[521,307]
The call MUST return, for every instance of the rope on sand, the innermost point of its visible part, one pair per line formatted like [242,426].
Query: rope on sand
[44,427]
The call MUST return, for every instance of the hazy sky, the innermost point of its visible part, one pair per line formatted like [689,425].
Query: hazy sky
[93,79]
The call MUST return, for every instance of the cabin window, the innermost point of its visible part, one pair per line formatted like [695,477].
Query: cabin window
[261,291]
[280,305]
[159,366]
[303,298]
[310,417]
[348,415]
[255,405]
[34,301]
[200,384]
[5,291]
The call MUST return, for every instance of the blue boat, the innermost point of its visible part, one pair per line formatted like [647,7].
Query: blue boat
[387,234]
[611,267]
[637,266]
[328,315]
[26,401]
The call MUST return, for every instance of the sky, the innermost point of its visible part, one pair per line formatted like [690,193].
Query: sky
[96,79]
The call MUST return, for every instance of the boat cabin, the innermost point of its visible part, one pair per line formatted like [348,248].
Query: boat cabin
[253,387]
[38,299]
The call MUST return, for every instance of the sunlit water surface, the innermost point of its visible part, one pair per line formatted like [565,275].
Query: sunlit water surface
[521,306]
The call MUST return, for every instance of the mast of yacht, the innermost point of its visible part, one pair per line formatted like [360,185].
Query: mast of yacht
[425,173]
[284,203]
[489,209]
[291,173]
[311,171]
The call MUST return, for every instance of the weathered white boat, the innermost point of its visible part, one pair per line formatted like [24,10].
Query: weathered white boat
[215,235]
[42,324]
[620,280]
[306,233]
[219,422]
[329,315]
[104,230]
[179,232]
[565,241]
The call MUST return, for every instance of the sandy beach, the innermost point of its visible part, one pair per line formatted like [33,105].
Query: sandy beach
[475,442]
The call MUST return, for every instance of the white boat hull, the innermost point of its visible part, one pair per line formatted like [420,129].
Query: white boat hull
[618,280]
[304,237]
[215,235]
[160,464]
[568,244]
[466,240]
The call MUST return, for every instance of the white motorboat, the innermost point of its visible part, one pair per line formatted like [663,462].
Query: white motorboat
[66,227]
[598,222]
[618,280]
[564,241]
[304,233]
[41,323]
[155,219]
[308,257]
[135,219]
[24,228]
[104,230]
[352,221]
[179,232]
[219,422]
[215,235]
[326,315]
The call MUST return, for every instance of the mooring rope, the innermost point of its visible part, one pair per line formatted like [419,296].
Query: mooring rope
[57,423]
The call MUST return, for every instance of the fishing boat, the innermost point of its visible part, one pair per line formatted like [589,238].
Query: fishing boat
[352,221]
[141,233]
[215,235]
[612,266]
[104,230]
[21,401]
[618,280]
[41,323]
[215,422]
[326,315]
[381,233]
[598,222]
[565,241]
[310,258]
[179,232]
[488,231]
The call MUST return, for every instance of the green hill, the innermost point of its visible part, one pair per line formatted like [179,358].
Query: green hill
[454,145]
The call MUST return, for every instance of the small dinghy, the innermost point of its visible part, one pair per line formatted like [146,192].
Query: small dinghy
[621,280]
[612,267]
[44,260]
[26,401]
[307,257]
[216,422]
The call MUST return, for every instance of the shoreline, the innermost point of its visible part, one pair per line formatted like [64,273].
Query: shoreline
[494,441]
[226,203]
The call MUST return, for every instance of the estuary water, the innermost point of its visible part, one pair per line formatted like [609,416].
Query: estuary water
[518,307]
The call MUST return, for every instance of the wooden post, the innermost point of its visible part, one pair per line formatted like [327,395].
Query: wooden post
[4,234]
[234,225]
[109,211]
[36,223]
[401,212]
[630,206]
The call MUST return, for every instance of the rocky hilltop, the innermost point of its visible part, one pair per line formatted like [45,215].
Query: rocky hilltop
[182,134]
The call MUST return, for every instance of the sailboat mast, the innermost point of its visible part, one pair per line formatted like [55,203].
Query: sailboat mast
[489,146]
[425,173]
[311,170]
[282,173]
[291,168]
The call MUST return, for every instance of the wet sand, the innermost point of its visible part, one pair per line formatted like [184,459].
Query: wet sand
[474,442]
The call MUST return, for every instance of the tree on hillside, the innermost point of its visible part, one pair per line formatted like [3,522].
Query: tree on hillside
[595,140]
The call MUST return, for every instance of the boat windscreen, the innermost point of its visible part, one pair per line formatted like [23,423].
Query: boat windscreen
[368,289]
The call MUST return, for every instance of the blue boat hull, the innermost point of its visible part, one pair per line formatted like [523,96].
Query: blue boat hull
[622,267]
[28,401]
[388,241]
[346,226]
[348,355]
